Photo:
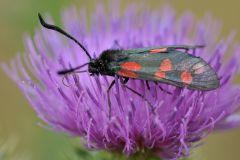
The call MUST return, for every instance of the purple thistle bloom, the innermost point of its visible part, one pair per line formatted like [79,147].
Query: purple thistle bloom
[81,109]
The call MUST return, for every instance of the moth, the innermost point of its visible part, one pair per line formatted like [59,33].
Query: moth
[171,65]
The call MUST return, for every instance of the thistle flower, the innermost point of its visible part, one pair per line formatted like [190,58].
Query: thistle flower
[80,109]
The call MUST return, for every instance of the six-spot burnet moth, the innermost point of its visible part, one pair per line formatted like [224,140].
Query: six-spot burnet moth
[166,64]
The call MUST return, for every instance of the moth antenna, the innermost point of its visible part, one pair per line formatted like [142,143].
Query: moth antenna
[67,71]
[71,70]
[58,29]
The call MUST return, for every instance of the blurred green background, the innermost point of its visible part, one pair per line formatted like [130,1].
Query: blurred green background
[18,119]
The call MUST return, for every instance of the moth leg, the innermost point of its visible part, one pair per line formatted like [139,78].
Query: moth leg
[123,82]
[148,86]
[116,45]
[163,90]
[108,97]
[194,51]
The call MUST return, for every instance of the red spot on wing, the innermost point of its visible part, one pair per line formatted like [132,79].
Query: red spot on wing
[160,75]
[158,50]
[186,77]
[126,73]
[166,65]
[133,66]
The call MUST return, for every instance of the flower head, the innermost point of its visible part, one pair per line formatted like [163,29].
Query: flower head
[182,118]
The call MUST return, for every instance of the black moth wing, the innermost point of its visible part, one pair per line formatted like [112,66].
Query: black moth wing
[172,67]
